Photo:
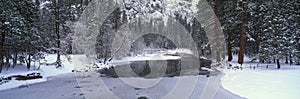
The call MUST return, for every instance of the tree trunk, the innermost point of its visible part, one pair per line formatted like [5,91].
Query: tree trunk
[15,58]
[241,42]
[278,63]
[57,24]
[229,47]
[28,61]
[2,45]
[105,56]
[291,59]
[286,60]
[216,7]
[7,59]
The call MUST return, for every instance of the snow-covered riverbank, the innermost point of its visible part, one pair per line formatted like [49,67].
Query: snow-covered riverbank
[46,71]
[78,86]
[62,83]
[260,83]
[263,82]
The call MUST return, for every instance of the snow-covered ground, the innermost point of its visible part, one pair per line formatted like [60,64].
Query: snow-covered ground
[151,57]
[91,86]
[46,71]
[56,87]
[76,63]
[263,83]
[61,83]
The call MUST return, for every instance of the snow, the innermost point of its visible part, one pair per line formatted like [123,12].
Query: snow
[77,63]
[204,68]
[15,83]
[74,86]
[61,83]
[52,71]
[161,55]
[43,4]
[6,23]
[263,83]
[46,71]
[58,87]
[180,51]
[159,9]
[151,57]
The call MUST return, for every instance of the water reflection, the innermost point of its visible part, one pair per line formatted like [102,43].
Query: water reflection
[186,65]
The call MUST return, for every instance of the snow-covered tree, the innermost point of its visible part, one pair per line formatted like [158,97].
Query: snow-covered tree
[155,12]
[61,15]
[21,29]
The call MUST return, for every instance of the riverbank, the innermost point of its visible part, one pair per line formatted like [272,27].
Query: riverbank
[91,85]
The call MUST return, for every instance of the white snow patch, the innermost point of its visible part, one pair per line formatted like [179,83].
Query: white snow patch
[6,23]
[77,63]
[180,51]
[204,68]
[263,83]
[151,57]
[15,83]
[43,4]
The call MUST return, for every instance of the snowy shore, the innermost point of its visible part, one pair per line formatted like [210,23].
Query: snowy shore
[78,86]
[62,83]
[263,83]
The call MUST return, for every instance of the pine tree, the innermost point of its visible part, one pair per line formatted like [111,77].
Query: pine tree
[61,16]
[241,35]
[229,17]
[21,28]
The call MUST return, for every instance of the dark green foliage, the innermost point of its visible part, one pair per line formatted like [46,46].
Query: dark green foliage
[21,32]
[27,26]
[271,27]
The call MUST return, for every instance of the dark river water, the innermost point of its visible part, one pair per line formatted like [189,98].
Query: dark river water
[186,65]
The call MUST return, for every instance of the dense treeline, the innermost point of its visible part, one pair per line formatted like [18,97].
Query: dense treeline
[268,29]
[31,27]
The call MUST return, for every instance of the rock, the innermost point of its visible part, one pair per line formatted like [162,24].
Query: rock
[205,63]
[142,97]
